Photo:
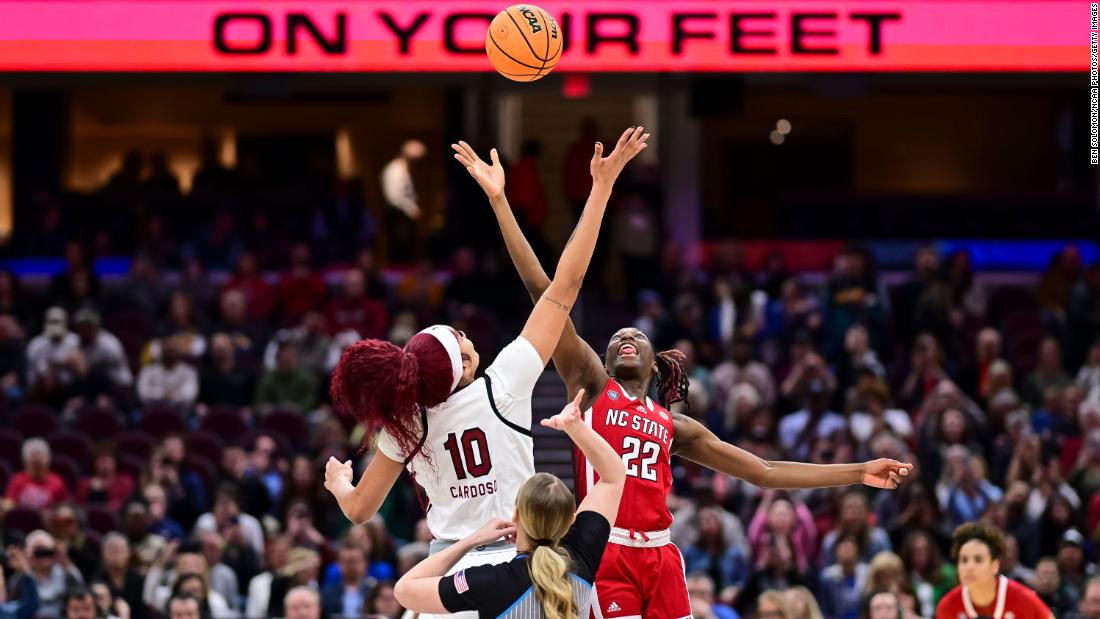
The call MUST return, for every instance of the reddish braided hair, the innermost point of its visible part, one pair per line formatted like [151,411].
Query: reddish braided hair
[672,380]
[383,386]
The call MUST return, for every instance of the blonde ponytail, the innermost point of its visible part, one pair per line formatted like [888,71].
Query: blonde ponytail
[545,507]
[550,574]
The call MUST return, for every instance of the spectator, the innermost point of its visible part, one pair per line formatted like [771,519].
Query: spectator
[883,605]
[13,360]
[1085,476]
[873,416]
[53,358]
[1010,562]
[887,572]
[855,519]
[79,604]
[842,584]
[19,596]
[259,588]
[741,368]
[772,605]
[1048,373]
[247,335]
[301,569]
[1089,608]
[1074,569]
[703,601]
[355,310]
[225,382]
[36,487]
[185,490]
[925,372]
[159,521]
[400,195]
[312,339]
[226,508]
[348,597]
[777,572]
[52,572]
[195,585]
[965,492]
[69,531]
[801,603]
[1049,587]
[302,603]
[171,380]
[185,606]
[301,288]
[777,519]
[106,365]
[107,605]
[220,578]
[713,554]
[1088,377]
[381,602]
[247,279]
[107,485]
[814,420]
[932,577]
[288,384]
[182,323]
[118,574]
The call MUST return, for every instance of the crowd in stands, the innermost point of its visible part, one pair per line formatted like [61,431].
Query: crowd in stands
[164,432]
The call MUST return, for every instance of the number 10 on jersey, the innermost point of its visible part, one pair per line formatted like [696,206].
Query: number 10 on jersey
[470,454]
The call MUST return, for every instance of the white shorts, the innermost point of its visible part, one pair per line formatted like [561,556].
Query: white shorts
[493,555]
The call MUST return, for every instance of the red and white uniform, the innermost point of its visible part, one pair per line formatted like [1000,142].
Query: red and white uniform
[642,572]
[1013,601]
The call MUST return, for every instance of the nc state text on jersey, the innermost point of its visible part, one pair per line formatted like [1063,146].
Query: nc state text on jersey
[627,419]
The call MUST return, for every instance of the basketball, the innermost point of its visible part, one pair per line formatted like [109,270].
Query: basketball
[523,43]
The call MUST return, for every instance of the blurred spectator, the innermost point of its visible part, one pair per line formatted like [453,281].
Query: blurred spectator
[925,372]
[925,303]
[777,519]
[195,585]
[1085,476]
[36,487]
[872,415]
[301,288]
[247,279]
[312,340]
[13,360]
[53,358]
[400,194]
[703,601]
[852,296]
[1074,569]
[355,310]
[348,597]
[227,510]
[52,572]
[220,577]
[259,588]
[841,584]
[188,577]
[712,553]
[247,335]
[301,569]
[381,602]
[964,491]
[288,384]
[887,573]
[1088,377]
[79,603]
[1083,313]
[1010,562]
[159,521]
[185,606]
[171,380]
[107,485]
[302,603]
[741,368]
[78,285]
[932,577]
[801,603]
[814,420]
[882,605]
[1048,585]
[224,380]
[1048,373]
[117,572]
[1089,608]
[18,593]
[71,534]
[183,323]
[185,490]
[855,519]
[772,605]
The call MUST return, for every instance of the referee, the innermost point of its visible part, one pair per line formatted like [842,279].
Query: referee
[559,551]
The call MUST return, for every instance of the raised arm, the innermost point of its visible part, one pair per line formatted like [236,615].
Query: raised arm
[603,498]
[545,326]
[698,444]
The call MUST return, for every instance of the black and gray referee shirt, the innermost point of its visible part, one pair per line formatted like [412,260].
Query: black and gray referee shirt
[506,591]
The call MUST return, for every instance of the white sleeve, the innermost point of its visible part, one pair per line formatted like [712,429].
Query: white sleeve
[516,369]
[389,447]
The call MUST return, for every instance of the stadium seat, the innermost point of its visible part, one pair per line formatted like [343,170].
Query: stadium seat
[98,423]
[35,420]
[159,422]
[227,424]
[291,424]
[24,519]
[203,467]
[76,445]
[133,466]
[205,444]
[100,518]
[134,443]
[11,446]
[5,473]
[67,468]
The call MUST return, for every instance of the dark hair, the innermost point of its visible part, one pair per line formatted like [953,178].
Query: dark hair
[78,592]
[983,532]
[187,597]
[866,603]
[851,536]
[933,572]
[672,380]
[384,386]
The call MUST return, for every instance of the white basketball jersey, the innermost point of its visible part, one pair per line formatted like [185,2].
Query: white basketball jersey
[479,442]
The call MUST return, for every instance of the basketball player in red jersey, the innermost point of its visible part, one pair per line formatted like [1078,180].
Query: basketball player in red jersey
[642,573]
[983,592]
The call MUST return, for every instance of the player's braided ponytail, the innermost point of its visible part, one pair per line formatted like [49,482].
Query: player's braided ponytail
[672,380]
[545,509]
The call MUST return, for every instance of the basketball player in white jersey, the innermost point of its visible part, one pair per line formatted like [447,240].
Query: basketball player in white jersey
[466,441]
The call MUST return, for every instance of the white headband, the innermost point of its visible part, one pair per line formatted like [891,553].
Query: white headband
[446,336]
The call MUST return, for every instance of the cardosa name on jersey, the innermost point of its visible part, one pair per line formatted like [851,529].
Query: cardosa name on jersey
[474,490]
[627,419]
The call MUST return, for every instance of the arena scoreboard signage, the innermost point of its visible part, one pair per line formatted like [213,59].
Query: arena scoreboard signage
[600,35]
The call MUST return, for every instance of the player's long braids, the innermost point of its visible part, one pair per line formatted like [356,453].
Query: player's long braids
[672,380]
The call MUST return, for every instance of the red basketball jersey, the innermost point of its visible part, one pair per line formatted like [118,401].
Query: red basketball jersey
[641,431]
[1013,601]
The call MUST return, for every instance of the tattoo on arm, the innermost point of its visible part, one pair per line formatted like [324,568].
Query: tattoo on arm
[559,304]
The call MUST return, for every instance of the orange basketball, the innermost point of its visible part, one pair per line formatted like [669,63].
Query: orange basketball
[523,43]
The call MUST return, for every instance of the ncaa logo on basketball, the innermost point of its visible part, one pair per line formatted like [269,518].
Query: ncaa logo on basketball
[532,19]
[614,395]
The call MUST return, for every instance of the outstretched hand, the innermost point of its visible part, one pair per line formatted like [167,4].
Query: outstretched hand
[335,472]
[606,169]
[885,473]
[568,416]
[489,177]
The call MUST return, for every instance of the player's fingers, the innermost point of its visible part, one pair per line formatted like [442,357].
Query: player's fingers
[624,138]
[637,133]
[493,155]
[463,160]
[597,152]
[469,150]
[577,400]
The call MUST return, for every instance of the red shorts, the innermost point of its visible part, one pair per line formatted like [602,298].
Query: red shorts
[641,582]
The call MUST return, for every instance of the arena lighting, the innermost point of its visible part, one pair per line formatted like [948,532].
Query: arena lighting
[576,86]
[776,137]
[783,126]
[600,35]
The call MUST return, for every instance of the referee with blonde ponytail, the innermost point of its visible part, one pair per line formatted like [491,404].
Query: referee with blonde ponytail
[559,550]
